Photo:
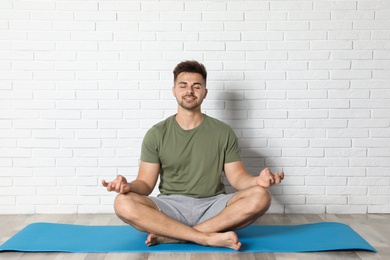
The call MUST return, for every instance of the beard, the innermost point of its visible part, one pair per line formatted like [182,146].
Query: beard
[189,105]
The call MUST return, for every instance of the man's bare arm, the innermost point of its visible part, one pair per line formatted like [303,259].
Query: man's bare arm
[240,179]
[143,185]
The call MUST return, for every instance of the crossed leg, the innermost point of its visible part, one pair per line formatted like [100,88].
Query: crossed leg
[241,210]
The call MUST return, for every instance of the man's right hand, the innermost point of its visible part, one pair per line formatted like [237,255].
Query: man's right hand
[120,185]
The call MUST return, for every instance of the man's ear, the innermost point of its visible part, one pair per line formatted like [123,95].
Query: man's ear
[206,92]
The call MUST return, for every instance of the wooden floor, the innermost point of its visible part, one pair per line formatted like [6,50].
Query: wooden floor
[374,228]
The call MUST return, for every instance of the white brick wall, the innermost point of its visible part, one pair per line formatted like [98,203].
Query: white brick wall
[304,84]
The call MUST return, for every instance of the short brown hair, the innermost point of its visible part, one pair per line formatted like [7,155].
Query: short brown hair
[190,66]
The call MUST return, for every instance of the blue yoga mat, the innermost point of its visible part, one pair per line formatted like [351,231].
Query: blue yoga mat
[51,237]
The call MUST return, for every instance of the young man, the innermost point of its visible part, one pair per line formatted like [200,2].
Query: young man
[190,151]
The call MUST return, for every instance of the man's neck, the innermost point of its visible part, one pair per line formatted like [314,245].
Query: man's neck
[189,119]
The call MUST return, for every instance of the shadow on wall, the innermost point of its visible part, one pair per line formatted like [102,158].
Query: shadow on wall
[252,144]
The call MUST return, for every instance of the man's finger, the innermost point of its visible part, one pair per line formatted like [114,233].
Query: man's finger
[277,178]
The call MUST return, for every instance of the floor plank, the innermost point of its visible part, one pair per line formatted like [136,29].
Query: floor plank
[374,228]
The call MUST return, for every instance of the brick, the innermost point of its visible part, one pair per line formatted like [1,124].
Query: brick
[296,143]
[219,16]
[329,103]
[97,75]
[323,162]
[370,162]
[350,35]
[74,26]
[309,15]
[335,5]
[381,132]
[7,201]
[95,16]
[329,65]
[317,94]
[34,143]
[205,6]
[291,65]
[80,143]
[54,56]
[373,142]
[331,25]
[30,124]
[327,181]
[56,209]
[51,16]
[77,6]
[101,114]
[34,5]
[347,133]
[30,26]
[159,26]
[305,152]
[362,74]
[333,190]
[345,172]
[52,153]
[368,181]
[304,190]
[365,123]
[304,209]
[248,46]
[75,66]
[91,36]
[53,134]
[308,75]
[54,75]
[34,46]
[293,162]
[181,16]
[35,182]
[33,162]
[308,114]
[94,153]
[266,75]
[78,200]
[336,209]
[330,123]
[305,35]
[116,26]
[288,26]
[364,200]
[304,133]
[327,200]
[308,55]
[35,200]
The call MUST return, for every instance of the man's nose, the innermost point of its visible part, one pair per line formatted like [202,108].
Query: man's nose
[190,89]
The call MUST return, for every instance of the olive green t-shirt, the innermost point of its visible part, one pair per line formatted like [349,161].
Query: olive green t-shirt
[191,161]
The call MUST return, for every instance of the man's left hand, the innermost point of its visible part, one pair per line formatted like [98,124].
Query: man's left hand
[266,178]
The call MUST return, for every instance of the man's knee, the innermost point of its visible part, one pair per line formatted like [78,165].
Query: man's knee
[123,205]
[261,199]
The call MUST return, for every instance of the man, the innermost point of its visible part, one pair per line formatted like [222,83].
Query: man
[189,151]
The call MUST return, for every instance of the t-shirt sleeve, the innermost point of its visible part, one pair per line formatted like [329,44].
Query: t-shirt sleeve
[149,149]
[233,153]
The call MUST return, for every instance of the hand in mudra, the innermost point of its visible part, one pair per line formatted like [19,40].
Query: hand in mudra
[266,178]
[119,184]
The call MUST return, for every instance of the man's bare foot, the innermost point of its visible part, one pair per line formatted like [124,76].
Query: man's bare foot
[153,239]
[228,239]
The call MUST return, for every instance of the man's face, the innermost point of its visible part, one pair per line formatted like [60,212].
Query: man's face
[189,90]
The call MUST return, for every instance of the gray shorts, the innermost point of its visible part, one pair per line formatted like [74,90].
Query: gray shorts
[191,211]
